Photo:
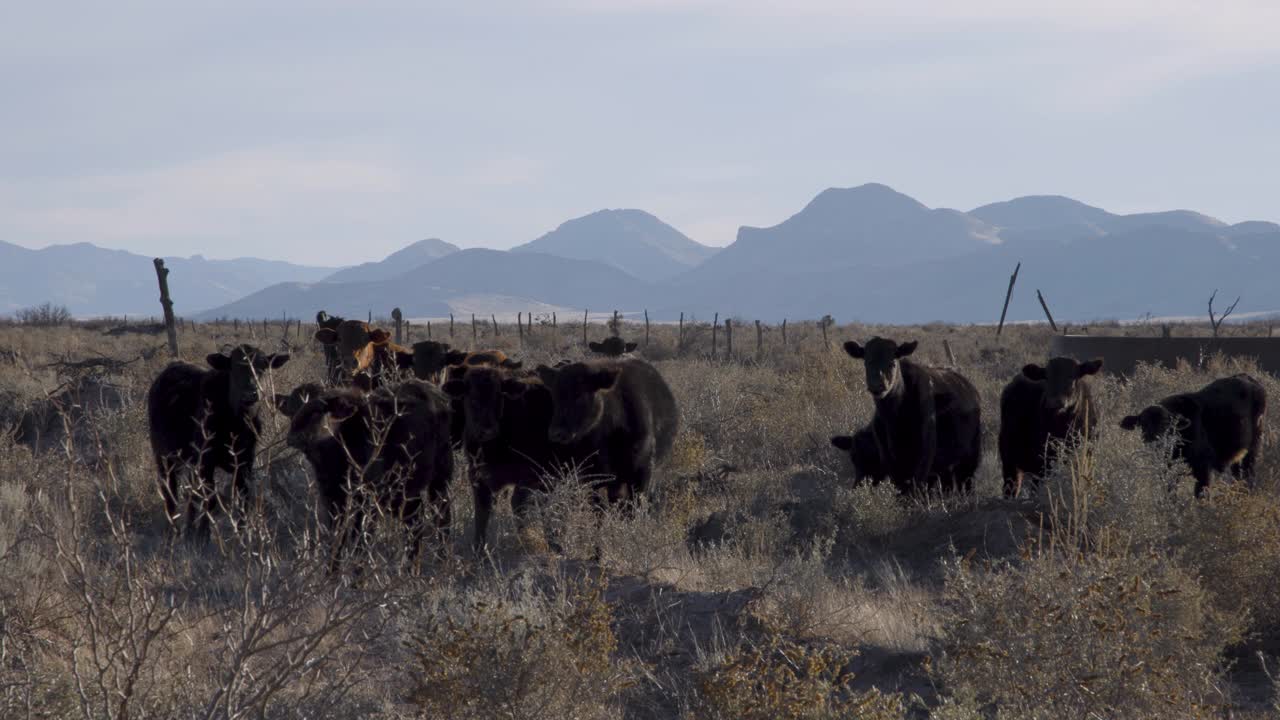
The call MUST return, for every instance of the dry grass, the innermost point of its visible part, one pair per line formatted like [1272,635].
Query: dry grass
[755,582]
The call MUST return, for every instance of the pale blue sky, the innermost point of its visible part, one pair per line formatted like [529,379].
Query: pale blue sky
[337,132]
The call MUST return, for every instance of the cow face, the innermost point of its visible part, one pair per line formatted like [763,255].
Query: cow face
[245,367]
[289,405]
[1158,421]
[430,357]
[308,423]
[1060,378]
[880,356]
[577,405]
[484,392]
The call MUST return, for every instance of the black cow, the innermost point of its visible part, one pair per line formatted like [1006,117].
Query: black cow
[505,436]
[207,419]
[864,454]
[1039,408]
[391,444]
[612,347]
[1217,427]
[927,422]
[620,410]
[332,360]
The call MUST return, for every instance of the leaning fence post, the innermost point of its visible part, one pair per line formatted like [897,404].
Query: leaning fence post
[1045,307]
[1007,295]
[398,318]
[715,328]
[166,303]
[951,357]
[494,317]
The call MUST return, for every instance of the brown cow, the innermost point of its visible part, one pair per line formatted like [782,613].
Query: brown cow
[366,354]
[1040,408]
[1219,426]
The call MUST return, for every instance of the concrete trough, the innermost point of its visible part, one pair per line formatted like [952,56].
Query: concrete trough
[1122,354]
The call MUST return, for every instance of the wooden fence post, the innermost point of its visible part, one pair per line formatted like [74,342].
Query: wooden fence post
[235,322]
[1045,306]
[584,328]
[494,318]
[728,339]
[370,317]
[614,327]
[759,340]
[475,333]
[715,328]
[520,329]
[951,357]
[397,317]
[428,329]
[823,323]
[646,327]
[166,303]
[784,333]
[555,333]
[680,335]
[1007,295]
[450,326]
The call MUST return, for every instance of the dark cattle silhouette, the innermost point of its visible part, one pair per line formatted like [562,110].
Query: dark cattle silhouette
[927,422]
[506,439]
[620,410]
[864,454]
[1220,426]
[391,445]
[365,353]
[1039,408]
[431,358]
[207,419]
[612,347]
[332,360]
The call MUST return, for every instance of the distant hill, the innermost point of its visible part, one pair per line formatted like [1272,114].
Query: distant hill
[631,240]
[91,280]
[871,254]
[475,280]
[397,263]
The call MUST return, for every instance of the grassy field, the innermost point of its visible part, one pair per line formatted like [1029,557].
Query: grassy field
[755,583]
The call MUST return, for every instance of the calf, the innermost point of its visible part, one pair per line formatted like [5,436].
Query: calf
[391,444]
[332,359]
[612,347]
[1219,426]
[1040,408]
[620,410]
[505,436]
[864,454]
[927,422]
[207,419]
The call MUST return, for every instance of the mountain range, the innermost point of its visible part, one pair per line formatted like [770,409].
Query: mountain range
[865,253]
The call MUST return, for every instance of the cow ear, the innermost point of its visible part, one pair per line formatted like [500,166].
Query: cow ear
[1129,422]
[547,375]
[321,317]
[454,357]
[1089,368]
[326,336]
[379,336]
[596,347]
[906,348]
[455,388]
[630,347]
[512,364]
[603,379]
[284,406]
[514,388]
[218,361]
[1032,371]
[278,359]
[842,442]
[855,350]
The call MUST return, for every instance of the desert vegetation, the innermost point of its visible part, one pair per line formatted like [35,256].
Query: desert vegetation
[755,581]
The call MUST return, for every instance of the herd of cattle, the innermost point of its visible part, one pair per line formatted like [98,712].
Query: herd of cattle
[611,420]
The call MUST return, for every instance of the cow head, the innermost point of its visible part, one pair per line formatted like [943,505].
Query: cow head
[612,347]
[244,367]
[577,404]
[1060,378]
[1158,421]
[430,357]
[309,407]
[289,405]
[483,392]
[346,340]
[863,453]
[881,356]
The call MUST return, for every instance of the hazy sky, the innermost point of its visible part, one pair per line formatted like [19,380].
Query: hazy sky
[339,132]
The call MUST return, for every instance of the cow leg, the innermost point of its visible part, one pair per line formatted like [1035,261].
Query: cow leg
[1202,473]
[484,509]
